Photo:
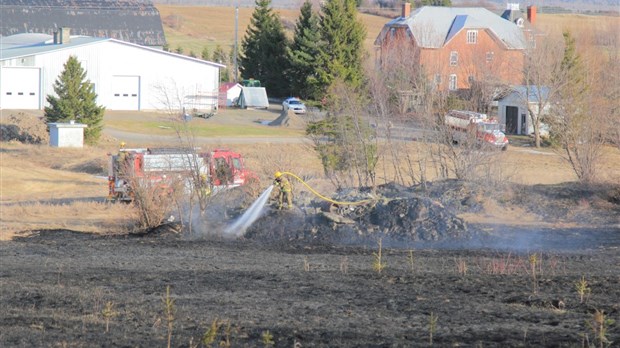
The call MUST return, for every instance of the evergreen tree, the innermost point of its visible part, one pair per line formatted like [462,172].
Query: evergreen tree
[205,54]
[343,35]
[231,59]
[572,67]
[304,54]
[76,100]
[220,57]
[445,3]
[264,50]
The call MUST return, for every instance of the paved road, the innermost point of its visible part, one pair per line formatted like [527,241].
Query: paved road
[139,138]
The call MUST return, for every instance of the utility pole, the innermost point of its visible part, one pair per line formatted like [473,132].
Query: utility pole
[235,68]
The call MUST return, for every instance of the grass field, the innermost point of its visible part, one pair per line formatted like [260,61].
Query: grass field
[195,27]
[158,125]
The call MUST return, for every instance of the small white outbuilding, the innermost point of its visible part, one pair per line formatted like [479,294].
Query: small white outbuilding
[67,134]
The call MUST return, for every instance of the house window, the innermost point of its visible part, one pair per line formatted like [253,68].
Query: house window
[454,58]
[392,32]
[470,79]
[452,86]
[472,36]
[437,79]
[490,56]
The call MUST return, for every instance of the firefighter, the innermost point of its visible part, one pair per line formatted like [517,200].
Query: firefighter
[286,191]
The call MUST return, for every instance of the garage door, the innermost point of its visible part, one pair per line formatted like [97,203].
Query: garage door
[20,88]
[125,93]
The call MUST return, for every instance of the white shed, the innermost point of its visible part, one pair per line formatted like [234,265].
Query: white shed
[125,76]
[229,93]
[67,134]
[512,109]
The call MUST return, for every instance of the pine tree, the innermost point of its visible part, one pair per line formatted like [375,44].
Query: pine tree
[264,50]
[343,37]
[445,3]
[75,100]
[304,54]
[220,57]
[205,54]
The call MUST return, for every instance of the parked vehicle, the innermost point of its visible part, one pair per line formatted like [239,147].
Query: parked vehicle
[468,123]
[219,169]
[294,104]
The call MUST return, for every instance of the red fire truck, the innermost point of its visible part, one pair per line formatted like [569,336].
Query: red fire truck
[469,123]
[219,169]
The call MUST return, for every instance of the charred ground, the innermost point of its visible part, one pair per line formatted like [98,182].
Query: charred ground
[308,278]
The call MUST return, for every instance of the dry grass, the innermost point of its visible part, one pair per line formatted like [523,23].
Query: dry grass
[44,187]
[89,217]
[196,27]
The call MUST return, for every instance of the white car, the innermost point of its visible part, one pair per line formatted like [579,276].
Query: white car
[294,104]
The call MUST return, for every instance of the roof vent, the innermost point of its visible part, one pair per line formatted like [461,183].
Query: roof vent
[62,36]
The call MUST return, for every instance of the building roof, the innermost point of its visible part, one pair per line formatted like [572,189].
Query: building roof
[534,93]
[23,45]
[434,27]
[135,21]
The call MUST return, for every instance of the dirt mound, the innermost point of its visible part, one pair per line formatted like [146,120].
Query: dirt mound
[402,219]
[25,128]
[288,119]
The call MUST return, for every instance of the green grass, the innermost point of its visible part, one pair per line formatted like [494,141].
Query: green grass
[201,128]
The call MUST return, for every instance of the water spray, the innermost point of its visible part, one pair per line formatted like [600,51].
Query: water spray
[238,227]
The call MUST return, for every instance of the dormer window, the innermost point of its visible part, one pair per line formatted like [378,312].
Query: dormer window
[519,22]
[472,36]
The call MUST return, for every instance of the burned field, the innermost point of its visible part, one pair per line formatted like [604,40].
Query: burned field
[306,278]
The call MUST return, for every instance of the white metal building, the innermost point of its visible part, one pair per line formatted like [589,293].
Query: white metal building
[126,76]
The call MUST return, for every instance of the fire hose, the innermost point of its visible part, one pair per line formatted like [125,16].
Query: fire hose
[278,174]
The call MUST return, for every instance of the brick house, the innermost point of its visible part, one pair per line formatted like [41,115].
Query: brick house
[455,46]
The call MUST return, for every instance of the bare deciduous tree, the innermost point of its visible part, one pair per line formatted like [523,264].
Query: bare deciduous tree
[543,80]
[344,139]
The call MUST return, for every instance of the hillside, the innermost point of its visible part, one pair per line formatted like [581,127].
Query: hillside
[193,28]
[557,5]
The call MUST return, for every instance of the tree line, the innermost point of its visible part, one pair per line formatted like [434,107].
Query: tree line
[325,46]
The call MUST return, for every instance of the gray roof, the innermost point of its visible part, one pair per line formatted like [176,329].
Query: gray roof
[533,92]
[22,45]
[135,21]
[433,27]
